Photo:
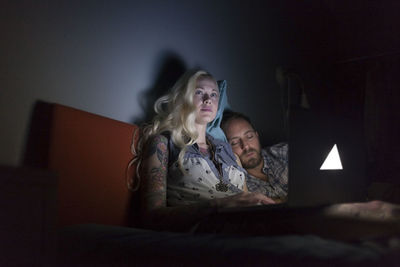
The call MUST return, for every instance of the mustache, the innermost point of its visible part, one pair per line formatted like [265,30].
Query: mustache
[248,151]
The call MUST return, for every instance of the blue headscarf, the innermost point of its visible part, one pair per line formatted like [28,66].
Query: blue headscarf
[213,128]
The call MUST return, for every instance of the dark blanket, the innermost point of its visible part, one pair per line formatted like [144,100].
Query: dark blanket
[98,245]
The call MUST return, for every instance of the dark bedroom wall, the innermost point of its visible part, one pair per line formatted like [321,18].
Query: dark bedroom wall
[107,56]
[360,78]
[113,57]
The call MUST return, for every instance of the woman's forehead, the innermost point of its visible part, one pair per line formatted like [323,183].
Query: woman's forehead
[209,82]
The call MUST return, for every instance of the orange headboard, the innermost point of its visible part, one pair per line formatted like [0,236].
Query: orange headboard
[90,153]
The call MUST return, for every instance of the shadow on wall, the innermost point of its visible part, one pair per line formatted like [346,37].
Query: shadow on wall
[170,70]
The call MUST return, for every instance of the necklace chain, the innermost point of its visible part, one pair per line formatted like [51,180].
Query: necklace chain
[221,186]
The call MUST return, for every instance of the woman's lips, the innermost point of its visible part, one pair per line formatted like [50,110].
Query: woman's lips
[206,109]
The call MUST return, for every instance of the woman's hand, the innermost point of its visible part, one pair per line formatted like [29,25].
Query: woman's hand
[243,199]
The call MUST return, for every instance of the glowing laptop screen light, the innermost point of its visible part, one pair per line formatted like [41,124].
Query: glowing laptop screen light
[332,161]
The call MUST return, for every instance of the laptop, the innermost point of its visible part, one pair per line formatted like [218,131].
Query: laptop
[326,161]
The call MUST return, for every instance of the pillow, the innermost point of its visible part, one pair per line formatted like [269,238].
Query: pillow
[213,128]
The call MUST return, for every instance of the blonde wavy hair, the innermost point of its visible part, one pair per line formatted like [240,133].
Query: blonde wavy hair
[176,114]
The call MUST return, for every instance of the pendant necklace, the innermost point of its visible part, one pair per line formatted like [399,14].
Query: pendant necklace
[221,186]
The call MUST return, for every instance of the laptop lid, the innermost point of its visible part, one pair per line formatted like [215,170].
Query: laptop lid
[316,141]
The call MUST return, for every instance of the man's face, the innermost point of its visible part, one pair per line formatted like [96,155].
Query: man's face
[244,141]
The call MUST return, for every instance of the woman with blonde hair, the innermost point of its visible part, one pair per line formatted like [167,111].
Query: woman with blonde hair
[185,173]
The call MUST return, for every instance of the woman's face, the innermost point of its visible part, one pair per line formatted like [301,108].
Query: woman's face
[205,98]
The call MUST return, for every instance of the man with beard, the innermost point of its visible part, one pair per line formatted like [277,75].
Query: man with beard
[267,168]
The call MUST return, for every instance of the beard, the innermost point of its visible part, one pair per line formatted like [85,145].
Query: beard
[252,162]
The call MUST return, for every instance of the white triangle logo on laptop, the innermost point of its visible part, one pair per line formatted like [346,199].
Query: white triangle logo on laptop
[332,161]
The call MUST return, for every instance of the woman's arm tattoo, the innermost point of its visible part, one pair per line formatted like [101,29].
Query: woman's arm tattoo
[156,172]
